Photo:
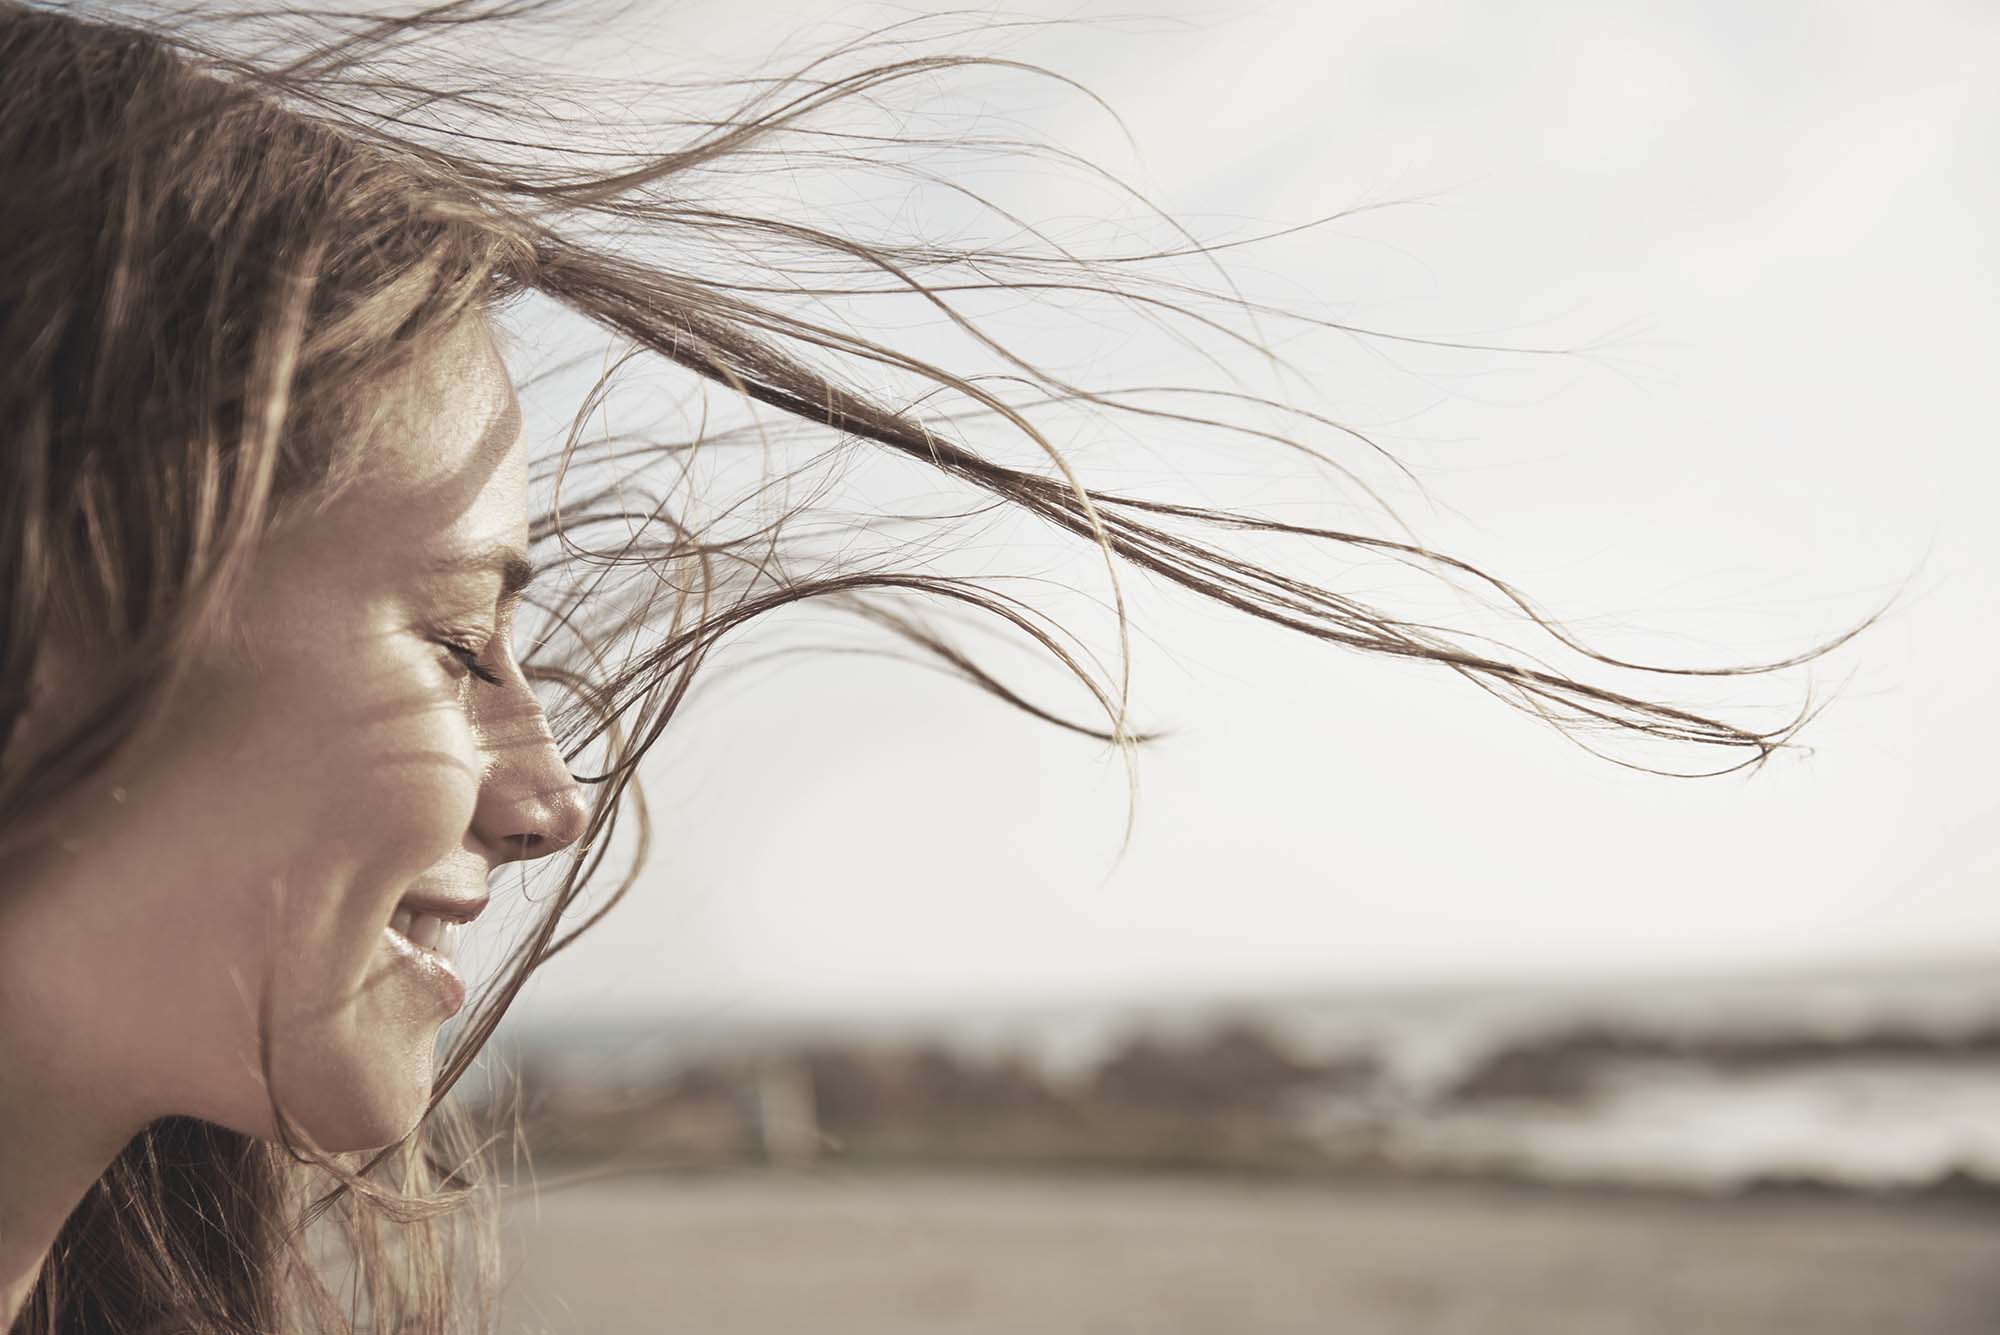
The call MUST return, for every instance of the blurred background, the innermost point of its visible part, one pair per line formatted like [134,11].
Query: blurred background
[1400,1011]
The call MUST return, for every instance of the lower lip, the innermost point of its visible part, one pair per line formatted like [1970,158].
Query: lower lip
[434,968]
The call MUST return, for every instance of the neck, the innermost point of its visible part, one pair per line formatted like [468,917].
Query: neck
[55,1142]
[63,1118]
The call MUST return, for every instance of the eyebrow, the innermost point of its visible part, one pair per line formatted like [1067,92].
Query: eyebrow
[504,559]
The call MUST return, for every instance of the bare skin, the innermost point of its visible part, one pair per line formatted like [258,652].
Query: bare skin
[330,756]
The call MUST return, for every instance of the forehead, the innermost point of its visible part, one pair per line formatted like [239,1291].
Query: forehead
[448,425]
[441,473]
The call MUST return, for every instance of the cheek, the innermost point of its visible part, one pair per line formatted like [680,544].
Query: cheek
[370,779]
[340,777]
[396,790]
[262,836]
[357,742]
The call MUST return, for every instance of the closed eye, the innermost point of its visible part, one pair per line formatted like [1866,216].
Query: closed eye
[472,662]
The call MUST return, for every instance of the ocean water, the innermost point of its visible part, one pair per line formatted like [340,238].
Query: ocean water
[1861,1123]
[1844,1113]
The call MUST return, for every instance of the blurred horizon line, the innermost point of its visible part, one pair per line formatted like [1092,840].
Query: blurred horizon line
[1948,969]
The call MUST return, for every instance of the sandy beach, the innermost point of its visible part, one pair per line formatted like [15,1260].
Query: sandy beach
[946,1254]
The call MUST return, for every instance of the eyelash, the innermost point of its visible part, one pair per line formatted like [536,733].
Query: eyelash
[472,662]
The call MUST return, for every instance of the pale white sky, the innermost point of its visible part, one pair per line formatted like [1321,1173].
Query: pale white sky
[1784,211]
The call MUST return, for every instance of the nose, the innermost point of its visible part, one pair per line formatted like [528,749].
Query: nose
[529,805]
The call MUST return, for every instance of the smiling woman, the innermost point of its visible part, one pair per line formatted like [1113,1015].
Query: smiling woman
[265,530]
[351,763]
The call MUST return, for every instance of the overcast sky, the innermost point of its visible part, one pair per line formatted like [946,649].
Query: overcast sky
[1783,213]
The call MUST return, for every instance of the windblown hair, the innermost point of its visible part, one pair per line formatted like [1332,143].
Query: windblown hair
[212,250]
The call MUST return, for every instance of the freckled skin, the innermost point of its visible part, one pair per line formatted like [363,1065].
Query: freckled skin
[328,757]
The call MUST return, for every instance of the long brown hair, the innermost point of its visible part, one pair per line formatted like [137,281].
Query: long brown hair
[216,236]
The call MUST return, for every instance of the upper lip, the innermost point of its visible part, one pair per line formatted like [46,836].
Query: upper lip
[457,908]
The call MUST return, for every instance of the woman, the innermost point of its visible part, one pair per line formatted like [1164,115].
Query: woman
[265,529]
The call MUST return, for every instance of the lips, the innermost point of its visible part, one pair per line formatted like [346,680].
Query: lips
[453,908]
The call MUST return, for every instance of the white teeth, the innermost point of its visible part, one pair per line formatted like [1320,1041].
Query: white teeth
[424,930]
[435,934]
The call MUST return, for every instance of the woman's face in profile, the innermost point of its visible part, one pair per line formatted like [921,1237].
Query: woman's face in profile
[333,758]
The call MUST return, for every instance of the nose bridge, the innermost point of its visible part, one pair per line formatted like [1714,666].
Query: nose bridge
[529,806]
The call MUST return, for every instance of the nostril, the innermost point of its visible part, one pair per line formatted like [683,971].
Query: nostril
[558,820]
[531,807]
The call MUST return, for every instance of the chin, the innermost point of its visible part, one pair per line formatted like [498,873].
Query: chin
[356,1099]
